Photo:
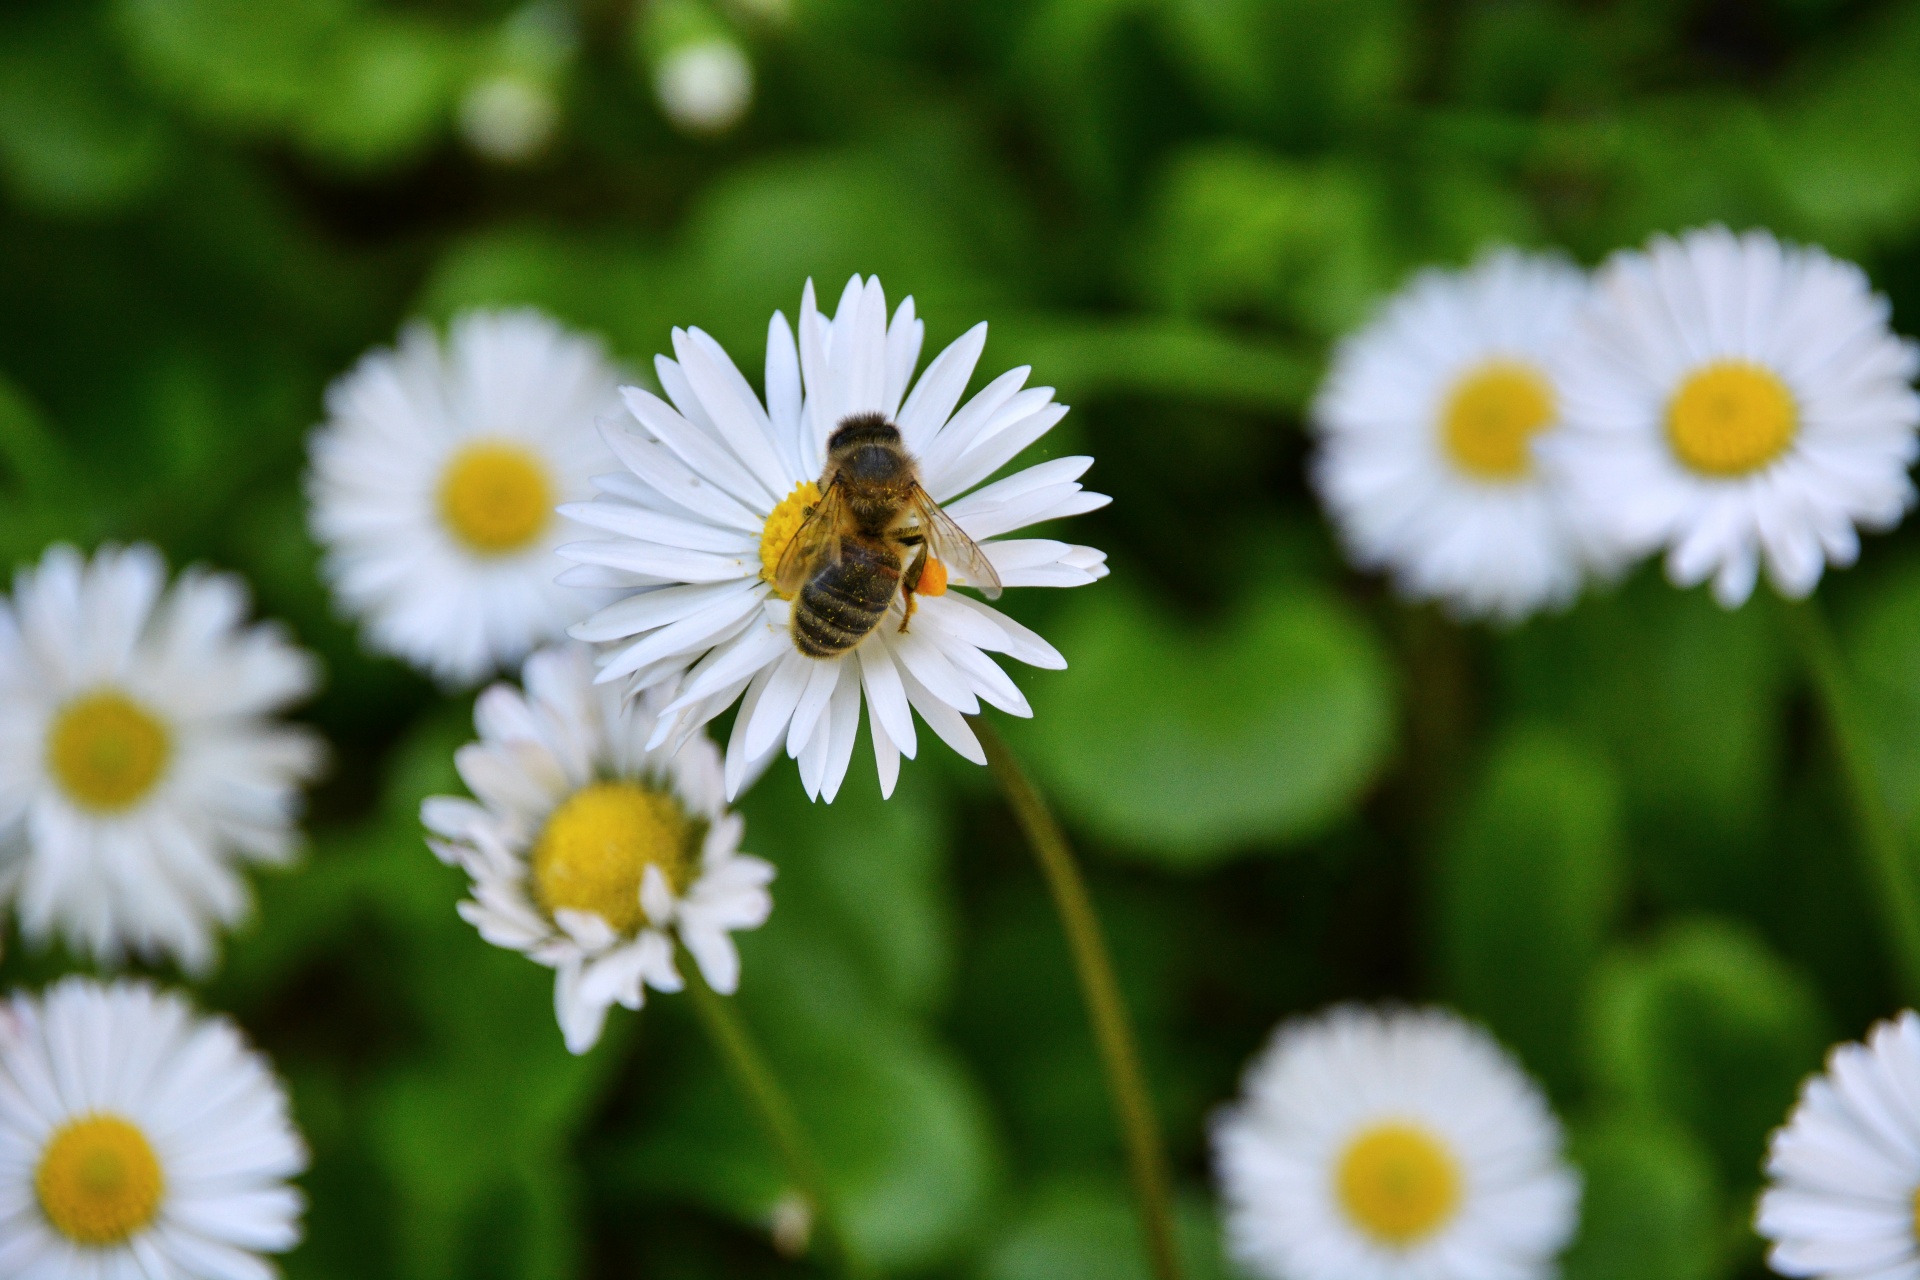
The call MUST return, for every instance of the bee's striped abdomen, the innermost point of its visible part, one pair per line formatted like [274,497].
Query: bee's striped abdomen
[839,605]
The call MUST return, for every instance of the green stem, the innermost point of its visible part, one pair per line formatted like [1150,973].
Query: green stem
[1889,864]
[751,1072]
[1112,1027]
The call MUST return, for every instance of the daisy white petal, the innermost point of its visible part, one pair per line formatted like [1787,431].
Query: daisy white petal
[434,482]
[1433,430]
[1396,1145]
[702,620]
[141,1139]
[1742,404]
[1843,1199]
[591,852]
[140,765]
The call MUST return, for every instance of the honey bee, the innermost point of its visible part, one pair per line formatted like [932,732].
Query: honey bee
[874,533]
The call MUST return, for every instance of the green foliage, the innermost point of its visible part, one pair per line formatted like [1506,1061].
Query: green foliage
[1651,1205]
[1613,835]
[1529,885]
[1707,1028]
[1188,746]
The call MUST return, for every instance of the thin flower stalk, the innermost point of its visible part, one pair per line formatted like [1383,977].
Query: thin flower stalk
[1106,1011]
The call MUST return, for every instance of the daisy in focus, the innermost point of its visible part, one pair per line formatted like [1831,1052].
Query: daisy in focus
[719,488]
[590,851]
[1739,402]
[139,762]
[1399,1145]
[1844,1200]
[142,1141]
[1428,426]
[434,482]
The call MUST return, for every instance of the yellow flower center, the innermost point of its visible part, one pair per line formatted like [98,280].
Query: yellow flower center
[783,524]
[496,497]
[597,847]
[1731,417]
[106,750]
[1492,416]
[1916,1214]
[99,1181]
[1398,1183]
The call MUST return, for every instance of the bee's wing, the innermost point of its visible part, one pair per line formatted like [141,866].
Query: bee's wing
[815,542]
[949,543]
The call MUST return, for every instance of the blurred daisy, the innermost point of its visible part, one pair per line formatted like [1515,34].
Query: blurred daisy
[1736,400]
[717,487]
[1845,1195]
[1428,427]
[592,853]
[142,1142]
[1388,1145]
[705,86]
[434,484]
[139,764]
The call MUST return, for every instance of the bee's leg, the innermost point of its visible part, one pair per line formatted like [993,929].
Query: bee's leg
[911,578]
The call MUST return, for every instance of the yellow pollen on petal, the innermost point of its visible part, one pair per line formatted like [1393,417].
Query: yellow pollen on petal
[783,524]
[107,751]
[496,497]
[1731,417]
[99,1181]
[1916,1215]
[598,844]
[1491,417]
[1398,1183]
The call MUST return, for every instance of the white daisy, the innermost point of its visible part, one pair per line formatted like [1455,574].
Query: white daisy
[1401,1145]
[1428,424]
[592,853]
[717,485]
[1733,399]
[139,1141]
[1845,1169]
[434,484]
[139,766]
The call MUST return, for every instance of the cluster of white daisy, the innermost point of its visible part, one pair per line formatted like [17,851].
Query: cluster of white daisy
[141,768]
[599,842]
[1498,435]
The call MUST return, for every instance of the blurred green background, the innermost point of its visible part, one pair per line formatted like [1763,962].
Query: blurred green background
[1613,835]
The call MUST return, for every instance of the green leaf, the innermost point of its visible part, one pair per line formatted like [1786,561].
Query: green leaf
[72,138]
[1528,884]
[1237,232]
[900,1128]
[249,66]
[1685,697]
[384,92]
[1882,638]
[1079,1229]
[873,869]
[1189,745]
[1308,68]
[1842,142]
[1650,1206]
[1708,1028]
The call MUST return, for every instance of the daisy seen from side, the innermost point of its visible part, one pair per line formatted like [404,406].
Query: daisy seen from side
[1739,402]
[141,765]
[1428,428]
[139,1140]
[434,481]
[1392,1145]
[717,483]
[1843,1197]
[592,852]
